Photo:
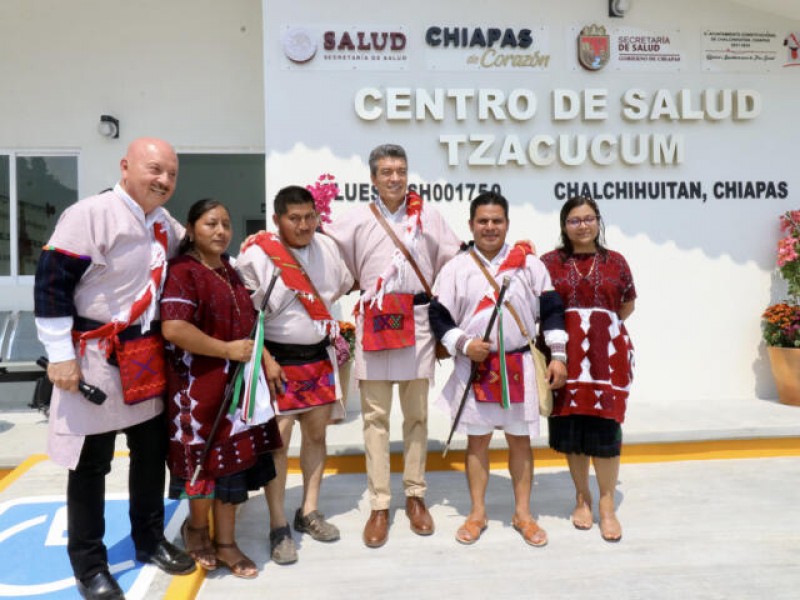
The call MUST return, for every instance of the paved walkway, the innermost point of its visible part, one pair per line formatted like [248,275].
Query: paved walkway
[696,529]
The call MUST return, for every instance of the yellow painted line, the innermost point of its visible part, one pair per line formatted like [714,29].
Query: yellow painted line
[185,587]
[7,477]
[341,464]
[546,457]
[543,457]
[20,470]
[711,450]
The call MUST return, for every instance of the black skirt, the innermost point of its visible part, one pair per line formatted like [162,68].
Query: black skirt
[581,434]
[232,488]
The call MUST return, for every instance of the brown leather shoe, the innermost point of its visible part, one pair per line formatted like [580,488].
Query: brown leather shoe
[376,531]
[421,520]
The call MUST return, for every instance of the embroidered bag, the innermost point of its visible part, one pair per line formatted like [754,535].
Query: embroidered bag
[142,369]
[488,386]
[439,350]
[390,327]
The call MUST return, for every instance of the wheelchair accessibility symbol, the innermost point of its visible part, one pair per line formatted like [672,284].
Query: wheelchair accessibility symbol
[33,542]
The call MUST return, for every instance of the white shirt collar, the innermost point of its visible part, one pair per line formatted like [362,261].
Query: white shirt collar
[137,210]
[396,216]
[301,254]
[499,257]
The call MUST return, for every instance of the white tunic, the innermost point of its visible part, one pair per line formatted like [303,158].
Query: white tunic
[367,250]
[460,287]
[286,320]
[116,238]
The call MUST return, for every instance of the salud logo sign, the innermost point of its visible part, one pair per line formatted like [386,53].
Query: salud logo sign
[335,48]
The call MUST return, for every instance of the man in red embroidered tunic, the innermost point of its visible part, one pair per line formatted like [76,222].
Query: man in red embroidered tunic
[394,341]
[101,274]
[300,358]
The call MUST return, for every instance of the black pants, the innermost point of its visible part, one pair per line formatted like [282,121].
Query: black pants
[86,488]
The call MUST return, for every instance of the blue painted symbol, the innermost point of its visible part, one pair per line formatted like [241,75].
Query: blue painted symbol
[33,542]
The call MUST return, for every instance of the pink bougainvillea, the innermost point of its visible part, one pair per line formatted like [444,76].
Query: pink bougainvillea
[324,191]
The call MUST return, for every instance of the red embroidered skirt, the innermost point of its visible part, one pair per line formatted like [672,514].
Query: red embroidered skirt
[308,385]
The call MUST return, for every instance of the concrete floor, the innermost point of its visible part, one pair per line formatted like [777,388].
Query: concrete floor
[703,529]
[698,529]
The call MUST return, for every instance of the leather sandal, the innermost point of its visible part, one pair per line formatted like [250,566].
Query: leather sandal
[530,531]
[470,532]
[243,568]
[204,554]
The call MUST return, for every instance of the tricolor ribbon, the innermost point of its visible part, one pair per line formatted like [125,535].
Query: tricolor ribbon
[248,377]
[501,349]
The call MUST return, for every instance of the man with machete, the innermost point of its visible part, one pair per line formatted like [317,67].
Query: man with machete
[494,376]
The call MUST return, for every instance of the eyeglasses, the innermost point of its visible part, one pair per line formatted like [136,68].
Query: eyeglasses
[576,222]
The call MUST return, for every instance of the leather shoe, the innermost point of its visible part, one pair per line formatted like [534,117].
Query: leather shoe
[101,586]
[376,531]
[417,513]
[169,558]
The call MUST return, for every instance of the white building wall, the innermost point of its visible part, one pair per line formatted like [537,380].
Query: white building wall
[195,71]
[703,270]
[189,71]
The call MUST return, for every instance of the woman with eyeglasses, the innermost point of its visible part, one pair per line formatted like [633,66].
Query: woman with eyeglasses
[597,289]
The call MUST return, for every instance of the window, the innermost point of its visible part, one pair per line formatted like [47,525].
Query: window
[5,216]
[34,191]
[35,188]
[46,185]
[236,180]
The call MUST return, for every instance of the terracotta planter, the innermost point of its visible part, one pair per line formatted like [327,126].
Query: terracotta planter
[785,364]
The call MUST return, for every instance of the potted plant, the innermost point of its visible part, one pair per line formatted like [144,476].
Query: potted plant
[780,323]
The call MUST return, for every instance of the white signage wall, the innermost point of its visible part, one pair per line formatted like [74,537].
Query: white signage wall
[679,118]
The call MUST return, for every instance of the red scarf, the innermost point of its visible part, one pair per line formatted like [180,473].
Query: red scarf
[413,213]
[515,260]
[296,280]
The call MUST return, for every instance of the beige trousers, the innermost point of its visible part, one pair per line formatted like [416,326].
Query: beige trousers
[376,405]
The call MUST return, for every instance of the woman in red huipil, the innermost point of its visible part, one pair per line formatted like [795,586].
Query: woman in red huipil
[597,289]
[207,316]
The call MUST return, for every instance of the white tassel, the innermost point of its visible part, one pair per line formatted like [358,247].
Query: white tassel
[395,272]
[329,328]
